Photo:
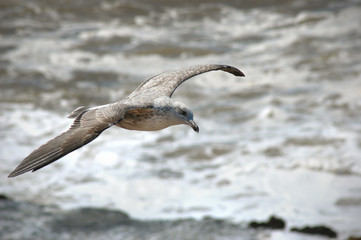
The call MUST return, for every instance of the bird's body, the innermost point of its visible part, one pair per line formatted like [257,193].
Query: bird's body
[147,119]
[148,108]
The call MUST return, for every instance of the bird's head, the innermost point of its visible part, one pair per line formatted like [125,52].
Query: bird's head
[185,115]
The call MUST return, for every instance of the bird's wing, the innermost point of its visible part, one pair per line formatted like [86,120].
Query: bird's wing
[166,83]
[87,126]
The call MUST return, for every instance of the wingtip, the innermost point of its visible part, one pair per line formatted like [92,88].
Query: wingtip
[240,74]
[19,170]
[16,173]
[233,70]
[11,175]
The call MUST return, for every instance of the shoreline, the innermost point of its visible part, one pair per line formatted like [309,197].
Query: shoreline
[23,220]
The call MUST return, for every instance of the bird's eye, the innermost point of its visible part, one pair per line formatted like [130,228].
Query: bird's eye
[184,113]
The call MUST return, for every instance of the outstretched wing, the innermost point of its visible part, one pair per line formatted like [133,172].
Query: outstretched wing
[166,83]
[86,127]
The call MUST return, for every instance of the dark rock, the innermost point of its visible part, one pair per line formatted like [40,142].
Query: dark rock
[273,223]
[316,230]
[3,197]
[89,219]
[354,238]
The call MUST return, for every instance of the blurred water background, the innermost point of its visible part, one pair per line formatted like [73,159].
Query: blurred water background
[285,140]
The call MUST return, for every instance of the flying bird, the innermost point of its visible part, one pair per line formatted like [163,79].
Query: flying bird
[148,108]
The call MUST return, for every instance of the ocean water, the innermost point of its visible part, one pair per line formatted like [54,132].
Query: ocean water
[283,141]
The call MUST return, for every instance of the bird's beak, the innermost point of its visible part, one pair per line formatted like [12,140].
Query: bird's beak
[193,125]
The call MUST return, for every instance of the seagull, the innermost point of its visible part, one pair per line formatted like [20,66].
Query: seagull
[148,108]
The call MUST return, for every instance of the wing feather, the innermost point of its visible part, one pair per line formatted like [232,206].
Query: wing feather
[166,83]
[85,128]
